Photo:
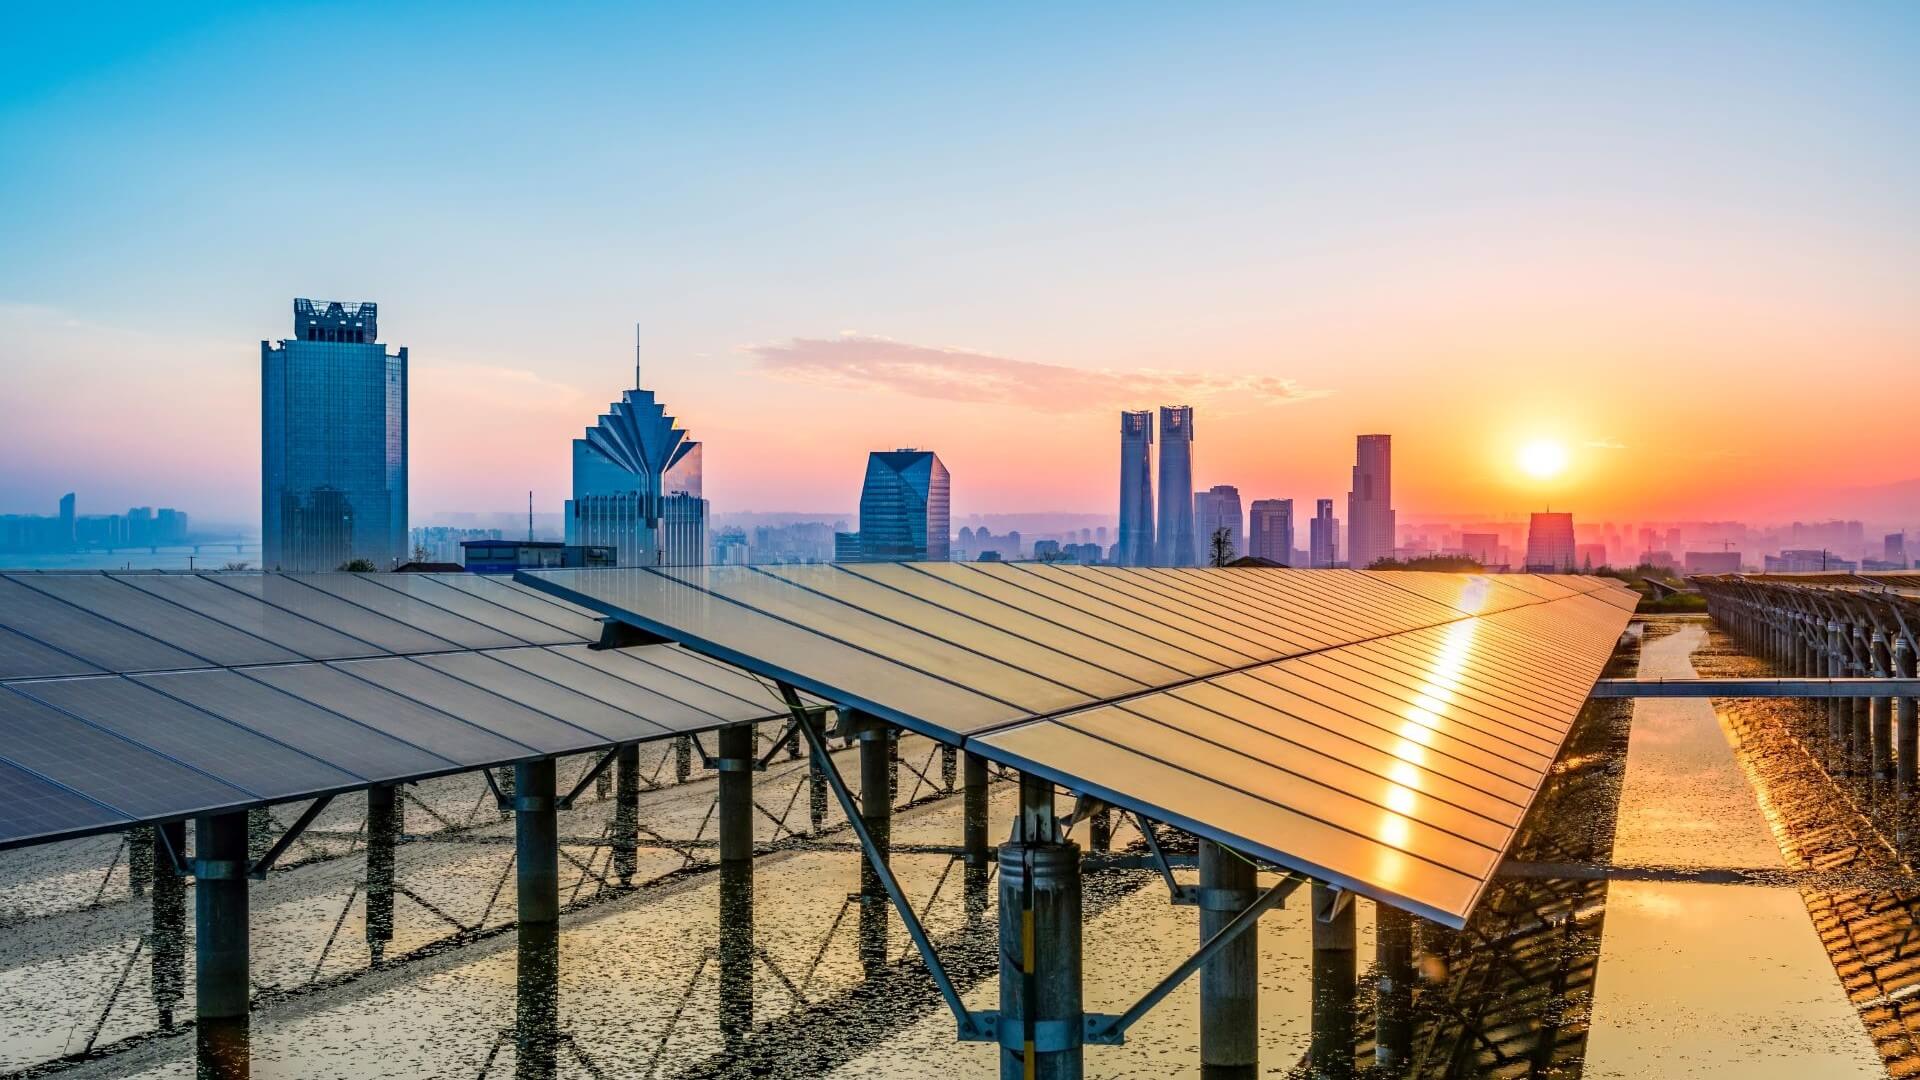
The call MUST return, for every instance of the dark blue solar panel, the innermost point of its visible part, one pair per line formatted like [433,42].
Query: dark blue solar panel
[489,710]
[332,612]
[253,615]
[131,779]
[99,642]
[417,724]
[34,809]
[23,658]
[240,757]
[111,598]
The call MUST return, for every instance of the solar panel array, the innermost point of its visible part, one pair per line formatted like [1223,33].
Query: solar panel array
[1383,731]
[139,697]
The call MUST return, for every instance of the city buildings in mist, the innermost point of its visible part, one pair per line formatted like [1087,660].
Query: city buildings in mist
[333,442]
[68,530]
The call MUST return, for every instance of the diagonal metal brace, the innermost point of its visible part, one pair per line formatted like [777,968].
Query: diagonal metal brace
[973,1027]
[1177,894]
[259,871]
[1112,1030]
[565,802]
[500,799]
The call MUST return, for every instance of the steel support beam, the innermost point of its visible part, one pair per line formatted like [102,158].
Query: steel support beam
[1906,718]
[1230,981]
[735,763]
[222,988]
[1335,975]
[1844,689]
[536,842]
[383,836]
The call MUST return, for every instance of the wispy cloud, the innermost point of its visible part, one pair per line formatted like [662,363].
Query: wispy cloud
[856,361]
[1605,444]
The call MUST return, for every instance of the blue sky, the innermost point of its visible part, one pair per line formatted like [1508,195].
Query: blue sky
[1363,201]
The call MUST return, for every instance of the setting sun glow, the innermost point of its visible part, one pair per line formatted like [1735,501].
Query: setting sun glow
[1543,458]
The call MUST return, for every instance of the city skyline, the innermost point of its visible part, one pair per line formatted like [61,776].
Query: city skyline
[1452,246]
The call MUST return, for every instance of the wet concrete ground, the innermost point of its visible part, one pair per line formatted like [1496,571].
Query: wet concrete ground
[1558,972]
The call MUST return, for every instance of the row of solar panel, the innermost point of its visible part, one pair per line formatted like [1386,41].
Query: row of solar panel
[72,624]
[1387,730]
[277,687]
[953,649]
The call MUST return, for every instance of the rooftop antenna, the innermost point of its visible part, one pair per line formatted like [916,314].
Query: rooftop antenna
[636,356]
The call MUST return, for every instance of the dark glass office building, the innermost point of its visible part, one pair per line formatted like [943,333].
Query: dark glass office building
[904,512]
[333,442]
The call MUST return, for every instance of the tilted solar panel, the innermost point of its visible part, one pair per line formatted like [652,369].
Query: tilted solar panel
[1384,731]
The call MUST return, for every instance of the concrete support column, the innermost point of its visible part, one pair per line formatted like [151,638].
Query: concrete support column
[1906,718]
[222,990]
[1230,982]
[1880,709]
[1041,1018]
[1335,974]
[1393,990]
[626,813]
[383,837]
[169,934]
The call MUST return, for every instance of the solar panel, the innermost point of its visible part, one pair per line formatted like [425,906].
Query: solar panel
[1382,731]
[289,593]
[110,598]
[240,757]
[105,644]
[577,624]
[35,810]
[452,738]
[563,668]
[429,589]
[362,591]
[106,768]
[23,657]
[303,636]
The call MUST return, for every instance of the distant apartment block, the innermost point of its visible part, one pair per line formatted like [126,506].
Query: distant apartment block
[1323,536]
[1270,530]
[1711,562]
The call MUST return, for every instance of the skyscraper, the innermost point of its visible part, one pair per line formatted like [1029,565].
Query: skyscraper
[904,511]
[67,534]
[1550,544]
[1323,535]
[1136,489]
[637,481]
[333,442]
[1174,541]
[1370,526]
[1270,530]
[1217,508]
[1893,547]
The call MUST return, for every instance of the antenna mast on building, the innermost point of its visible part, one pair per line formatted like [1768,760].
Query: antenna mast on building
[636,356]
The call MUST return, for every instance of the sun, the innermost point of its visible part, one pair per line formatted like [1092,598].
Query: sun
[1543,458]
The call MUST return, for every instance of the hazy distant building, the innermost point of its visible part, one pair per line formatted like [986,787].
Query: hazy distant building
[1589,556]
[66,535]
[1893,547]
[638,486]
[1712,562]
[1136,489]
[904,507]
[1270,530]
[1370,524]
[1175,542]
[1483,548]
[846,547]
[1218,508]
[1808,561]
[1323,536]
[1550,545]
[333,442]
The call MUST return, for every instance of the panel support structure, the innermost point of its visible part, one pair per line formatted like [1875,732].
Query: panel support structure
[1230,982]
[1042,1024]
[1335,971]
[222,987]
[1393,989]
[383,835]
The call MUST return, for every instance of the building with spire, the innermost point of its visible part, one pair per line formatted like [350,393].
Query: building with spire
[1174,541]
[637,485]
[1136,489]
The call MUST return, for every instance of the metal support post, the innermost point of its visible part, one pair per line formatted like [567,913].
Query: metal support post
[536,843]
[1861,712]
[383,834]
[1335,972]
[975,817]
[816,785]
[1838,711]
[949,768]
[140,860]
[1880,709]
[1393,989]
[877,747]
[1906,719]
[536,1029]
[222,990]
[1042,1025]
[1230,982]
[735,762]
[169,934]
[626,813]
[682,758]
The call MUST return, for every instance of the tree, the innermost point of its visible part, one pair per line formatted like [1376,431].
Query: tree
[1221,545]
[240,564]
[359,566]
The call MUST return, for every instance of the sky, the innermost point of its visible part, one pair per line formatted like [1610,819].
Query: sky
[1677,240]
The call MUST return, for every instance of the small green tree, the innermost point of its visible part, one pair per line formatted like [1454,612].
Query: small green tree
[359,566]
[1221,545]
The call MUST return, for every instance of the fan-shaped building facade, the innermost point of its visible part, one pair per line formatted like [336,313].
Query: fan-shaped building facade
[637,486]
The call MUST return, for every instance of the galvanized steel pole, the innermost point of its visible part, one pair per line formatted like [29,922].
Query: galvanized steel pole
[222,990]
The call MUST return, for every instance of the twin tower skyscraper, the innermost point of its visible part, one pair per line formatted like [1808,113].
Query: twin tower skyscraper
[1173,542]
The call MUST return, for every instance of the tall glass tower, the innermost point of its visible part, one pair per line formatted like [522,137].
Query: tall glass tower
[1175,544]
[333,442]
[1136,489]
[904,507]
[1370,525]
[637,486]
